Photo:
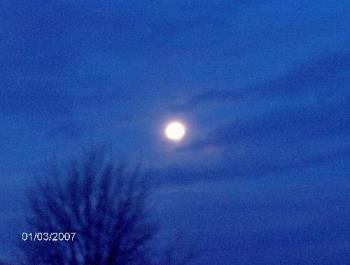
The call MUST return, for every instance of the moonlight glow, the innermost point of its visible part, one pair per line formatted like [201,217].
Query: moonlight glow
[175,131]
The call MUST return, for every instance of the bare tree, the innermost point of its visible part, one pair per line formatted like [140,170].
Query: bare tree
[105,204]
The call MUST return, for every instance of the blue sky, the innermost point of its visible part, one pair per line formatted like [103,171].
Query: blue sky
[262,85]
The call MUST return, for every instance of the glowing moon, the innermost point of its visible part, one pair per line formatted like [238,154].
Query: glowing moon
[175,130]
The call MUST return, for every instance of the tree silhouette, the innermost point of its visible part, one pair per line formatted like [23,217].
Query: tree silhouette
[106,205]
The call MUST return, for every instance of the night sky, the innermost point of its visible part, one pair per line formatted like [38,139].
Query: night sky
[262,175]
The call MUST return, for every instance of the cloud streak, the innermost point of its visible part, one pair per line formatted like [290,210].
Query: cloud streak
[315,77]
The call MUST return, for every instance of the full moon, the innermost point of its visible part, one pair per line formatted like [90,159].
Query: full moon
[175,130]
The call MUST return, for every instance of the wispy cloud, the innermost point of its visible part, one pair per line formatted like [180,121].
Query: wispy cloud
[314,78]
[289,135]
